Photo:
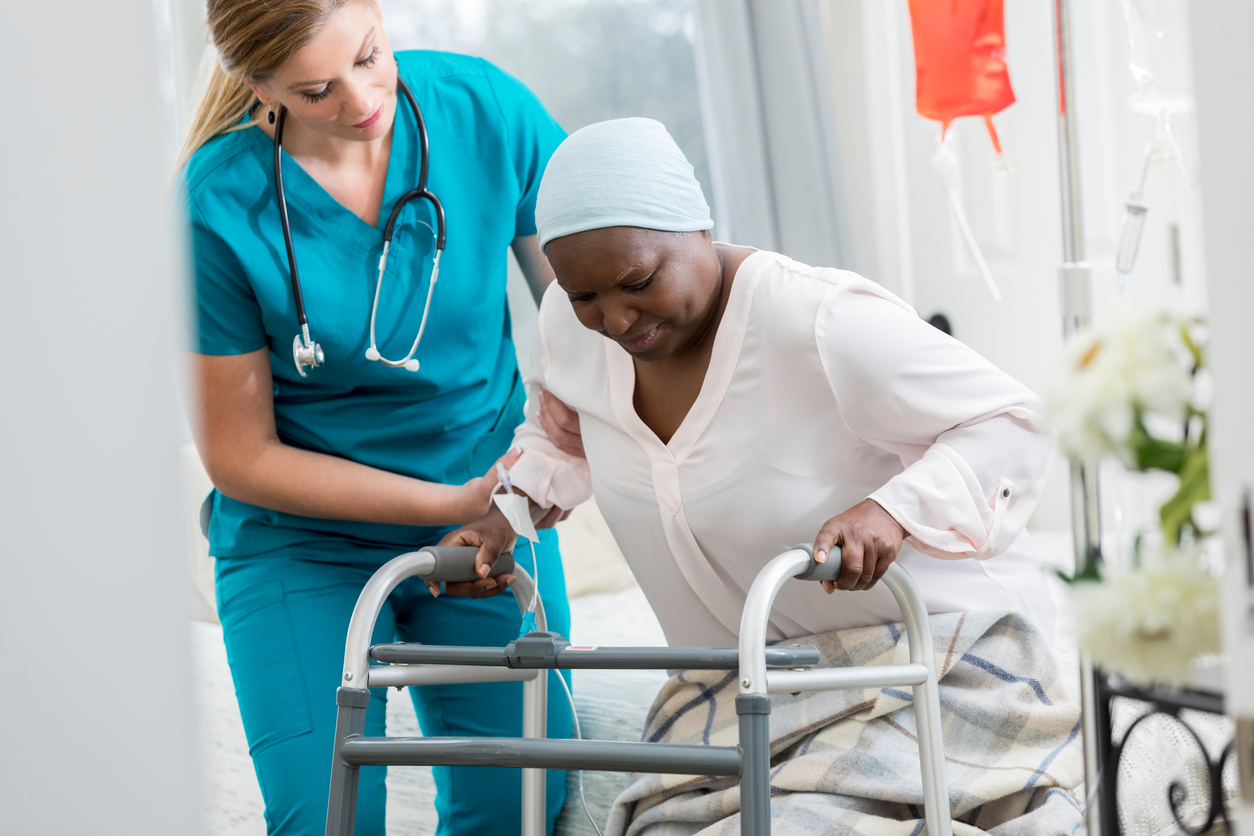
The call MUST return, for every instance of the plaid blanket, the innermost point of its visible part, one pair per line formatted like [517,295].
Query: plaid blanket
[846,762]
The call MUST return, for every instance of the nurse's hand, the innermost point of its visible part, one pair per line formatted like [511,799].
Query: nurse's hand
[869,540]
[493,535]
[474,499]
[561,425]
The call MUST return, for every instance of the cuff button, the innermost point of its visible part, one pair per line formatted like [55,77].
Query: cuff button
[1006,492]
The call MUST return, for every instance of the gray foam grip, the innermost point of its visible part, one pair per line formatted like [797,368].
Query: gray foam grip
[828,571]
[457,563]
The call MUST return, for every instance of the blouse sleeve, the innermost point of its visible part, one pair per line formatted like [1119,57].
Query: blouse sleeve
[975,449]
[543,472]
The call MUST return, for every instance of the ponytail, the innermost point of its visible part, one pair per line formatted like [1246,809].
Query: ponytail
[252,39]
[219,110]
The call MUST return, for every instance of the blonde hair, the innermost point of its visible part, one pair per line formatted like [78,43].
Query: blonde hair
[253,38]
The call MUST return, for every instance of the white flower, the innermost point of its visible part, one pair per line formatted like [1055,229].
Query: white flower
[1149,624]
[1137,362]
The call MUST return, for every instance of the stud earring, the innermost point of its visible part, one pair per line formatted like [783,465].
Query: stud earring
[270,114]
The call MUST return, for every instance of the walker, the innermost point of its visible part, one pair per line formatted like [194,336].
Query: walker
[763,671]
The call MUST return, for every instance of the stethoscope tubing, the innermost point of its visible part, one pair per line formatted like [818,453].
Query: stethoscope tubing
[287,229]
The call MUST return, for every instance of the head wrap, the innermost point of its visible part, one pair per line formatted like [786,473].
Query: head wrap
[625,172]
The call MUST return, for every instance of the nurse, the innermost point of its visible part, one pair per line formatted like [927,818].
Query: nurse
[320,479]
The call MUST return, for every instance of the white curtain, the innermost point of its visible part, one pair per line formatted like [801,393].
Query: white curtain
[770,128]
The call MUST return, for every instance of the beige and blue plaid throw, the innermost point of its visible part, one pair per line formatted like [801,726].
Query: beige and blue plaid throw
[846,762]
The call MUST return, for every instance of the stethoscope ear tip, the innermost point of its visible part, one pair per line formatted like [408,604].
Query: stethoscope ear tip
[372,354]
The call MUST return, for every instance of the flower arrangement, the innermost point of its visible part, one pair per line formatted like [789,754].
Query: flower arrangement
[1137,389]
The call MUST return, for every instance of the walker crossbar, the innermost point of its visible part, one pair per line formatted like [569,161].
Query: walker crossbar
[599,658]
[601,755]
[762,671]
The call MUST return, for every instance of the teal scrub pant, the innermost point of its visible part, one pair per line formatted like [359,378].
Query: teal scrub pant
[285,618]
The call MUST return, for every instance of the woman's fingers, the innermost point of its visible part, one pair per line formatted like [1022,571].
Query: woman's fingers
[551,518]
[869,538]
[493,476]
[477,493]
[492,536]
[483,588]
[567,418]
[510,458]
[886,558]
[872,549]
[490,548]
[852,555]
[560,424]
[828,537]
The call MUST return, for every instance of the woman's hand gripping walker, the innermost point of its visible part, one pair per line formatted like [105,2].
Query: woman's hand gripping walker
[762,670]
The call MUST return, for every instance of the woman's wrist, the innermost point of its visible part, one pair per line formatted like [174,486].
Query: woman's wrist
[468,503]
[904,531]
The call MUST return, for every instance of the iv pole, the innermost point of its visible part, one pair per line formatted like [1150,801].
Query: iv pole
[1075,280]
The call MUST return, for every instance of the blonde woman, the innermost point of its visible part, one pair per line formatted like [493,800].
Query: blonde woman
[325,472]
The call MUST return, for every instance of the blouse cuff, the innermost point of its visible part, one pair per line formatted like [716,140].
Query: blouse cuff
[550,482]
[945,509]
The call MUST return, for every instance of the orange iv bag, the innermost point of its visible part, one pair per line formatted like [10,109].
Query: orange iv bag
[960,61]
[960,70]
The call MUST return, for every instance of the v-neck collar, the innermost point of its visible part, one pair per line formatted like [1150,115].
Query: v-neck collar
[724,355]
[306,193]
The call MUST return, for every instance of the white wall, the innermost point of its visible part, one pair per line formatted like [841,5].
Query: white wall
[93,616]
[904,235]
[1224,59]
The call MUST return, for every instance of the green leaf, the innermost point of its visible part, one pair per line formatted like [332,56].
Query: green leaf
[1092,571]
[1154,453]
[1192,346]
[1194,488]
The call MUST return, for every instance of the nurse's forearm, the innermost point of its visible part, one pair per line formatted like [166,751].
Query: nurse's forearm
[240,448]
[312,484]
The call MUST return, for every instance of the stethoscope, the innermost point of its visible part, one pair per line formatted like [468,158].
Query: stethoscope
[305,352]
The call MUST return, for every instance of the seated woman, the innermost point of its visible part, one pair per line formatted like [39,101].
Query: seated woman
[734,402]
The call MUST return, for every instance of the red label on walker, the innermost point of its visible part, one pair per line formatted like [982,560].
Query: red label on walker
[583,647]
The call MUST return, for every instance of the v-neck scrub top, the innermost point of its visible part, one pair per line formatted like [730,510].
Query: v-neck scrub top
[823,389]
[490,139]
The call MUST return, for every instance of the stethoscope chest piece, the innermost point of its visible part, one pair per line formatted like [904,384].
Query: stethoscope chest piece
[306,354]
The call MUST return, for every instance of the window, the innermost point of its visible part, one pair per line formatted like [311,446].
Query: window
[587,60]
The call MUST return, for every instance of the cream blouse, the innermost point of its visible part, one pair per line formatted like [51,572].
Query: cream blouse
[823,389]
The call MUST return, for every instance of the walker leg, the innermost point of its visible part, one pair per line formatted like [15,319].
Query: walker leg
[927,719]
[535,724]
[350,720]
[755,775]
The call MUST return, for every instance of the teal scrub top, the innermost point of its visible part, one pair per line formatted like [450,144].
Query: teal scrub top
[490,139]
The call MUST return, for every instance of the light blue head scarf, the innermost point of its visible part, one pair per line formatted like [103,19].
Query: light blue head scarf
[625,172]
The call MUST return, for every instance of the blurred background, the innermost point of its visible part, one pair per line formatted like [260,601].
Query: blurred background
[799,117]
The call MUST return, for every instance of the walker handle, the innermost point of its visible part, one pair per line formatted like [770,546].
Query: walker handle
[816,571]
[457,563]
